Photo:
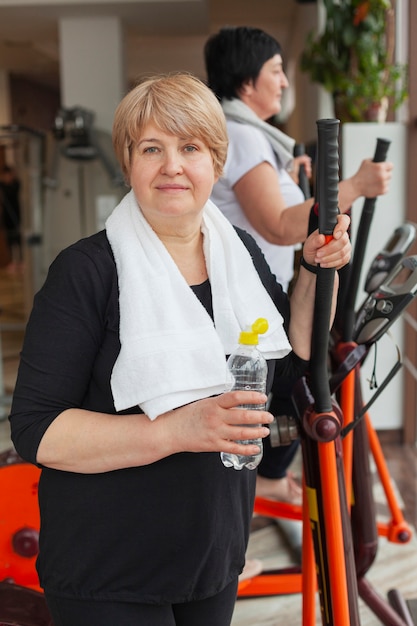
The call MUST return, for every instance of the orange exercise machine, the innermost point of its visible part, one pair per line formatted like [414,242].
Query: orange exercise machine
[340,542]
[22,602]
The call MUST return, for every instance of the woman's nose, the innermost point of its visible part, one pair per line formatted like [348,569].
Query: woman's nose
[172,163]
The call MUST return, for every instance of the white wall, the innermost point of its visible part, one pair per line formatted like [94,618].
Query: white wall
[358,141]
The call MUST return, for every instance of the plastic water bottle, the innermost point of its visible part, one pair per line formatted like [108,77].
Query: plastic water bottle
[249,369]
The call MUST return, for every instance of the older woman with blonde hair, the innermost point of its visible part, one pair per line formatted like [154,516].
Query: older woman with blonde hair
[123,394]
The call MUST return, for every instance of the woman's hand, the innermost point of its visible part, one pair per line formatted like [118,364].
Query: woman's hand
[215,424]
[88,442]
[334,254]
[371,180]
[305,160]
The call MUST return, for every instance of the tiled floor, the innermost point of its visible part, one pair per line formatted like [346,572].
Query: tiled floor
[395,565]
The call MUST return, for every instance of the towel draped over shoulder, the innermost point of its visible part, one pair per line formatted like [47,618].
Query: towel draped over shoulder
[171,351]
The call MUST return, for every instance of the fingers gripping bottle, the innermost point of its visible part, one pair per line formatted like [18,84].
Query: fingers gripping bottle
[249,369]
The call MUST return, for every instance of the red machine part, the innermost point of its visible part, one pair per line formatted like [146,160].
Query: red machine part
[19,520]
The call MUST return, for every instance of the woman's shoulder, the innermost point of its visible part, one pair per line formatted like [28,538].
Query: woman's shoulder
[96,246]
[84,271]
[244,132]
[248,144]
[90,254]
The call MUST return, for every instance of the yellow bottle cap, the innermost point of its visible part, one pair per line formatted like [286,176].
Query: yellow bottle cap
[250,337]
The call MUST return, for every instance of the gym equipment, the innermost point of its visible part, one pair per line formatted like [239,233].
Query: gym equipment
[356,531]
[83,182]
[22,602]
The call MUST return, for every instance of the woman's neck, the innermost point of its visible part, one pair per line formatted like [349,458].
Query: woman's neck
[187,253]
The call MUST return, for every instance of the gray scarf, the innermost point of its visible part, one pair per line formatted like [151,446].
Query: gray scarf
[282,145]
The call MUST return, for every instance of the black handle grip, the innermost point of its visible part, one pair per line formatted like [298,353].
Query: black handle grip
[362,236]
[327,173]
[303,182]
[299,149]
[381,150]
[327,195]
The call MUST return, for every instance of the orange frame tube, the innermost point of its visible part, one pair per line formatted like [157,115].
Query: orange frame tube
[334,535]
[309,586]
[397,531]
[347,405]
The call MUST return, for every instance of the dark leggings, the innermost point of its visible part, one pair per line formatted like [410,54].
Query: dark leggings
[275,461]
[216,610]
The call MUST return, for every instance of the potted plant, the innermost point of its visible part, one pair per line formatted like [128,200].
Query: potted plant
[353,59]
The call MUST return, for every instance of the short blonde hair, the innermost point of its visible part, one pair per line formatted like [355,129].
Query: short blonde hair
[177,103]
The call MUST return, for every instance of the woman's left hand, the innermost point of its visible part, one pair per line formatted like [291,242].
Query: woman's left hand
[304,160]
[334,254]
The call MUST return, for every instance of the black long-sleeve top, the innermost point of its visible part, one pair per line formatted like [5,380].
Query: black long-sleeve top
[172,531]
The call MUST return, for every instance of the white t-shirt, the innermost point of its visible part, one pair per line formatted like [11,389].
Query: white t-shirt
[248,147]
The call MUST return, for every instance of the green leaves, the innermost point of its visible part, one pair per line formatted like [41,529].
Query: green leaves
[353,56]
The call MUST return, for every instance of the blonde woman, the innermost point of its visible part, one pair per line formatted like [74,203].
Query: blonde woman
[122,396]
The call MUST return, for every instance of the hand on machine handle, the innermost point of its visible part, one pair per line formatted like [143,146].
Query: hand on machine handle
[324,423]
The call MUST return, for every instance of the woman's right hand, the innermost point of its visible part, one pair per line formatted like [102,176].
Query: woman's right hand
[215,424]
[371,180]
[88,442]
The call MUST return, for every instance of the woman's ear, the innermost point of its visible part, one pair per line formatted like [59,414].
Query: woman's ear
[246,87]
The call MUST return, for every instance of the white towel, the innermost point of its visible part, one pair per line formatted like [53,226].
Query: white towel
[171,352]
[282,144]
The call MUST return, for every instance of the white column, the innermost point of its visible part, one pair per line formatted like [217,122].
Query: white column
[92,72]
[92,66]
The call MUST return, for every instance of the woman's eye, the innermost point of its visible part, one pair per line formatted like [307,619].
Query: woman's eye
[190,148]
[150,150]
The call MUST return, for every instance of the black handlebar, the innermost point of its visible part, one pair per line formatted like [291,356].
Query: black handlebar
[327,197]
[380,155]
[303,181]
[381,150]
[327,174]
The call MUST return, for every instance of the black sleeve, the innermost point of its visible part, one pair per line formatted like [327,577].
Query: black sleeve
[62,338]
[268,279]
[289,369]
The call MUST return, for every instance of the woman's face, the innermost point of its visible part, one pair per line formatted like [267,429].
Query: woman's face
[171,176]
[263,96]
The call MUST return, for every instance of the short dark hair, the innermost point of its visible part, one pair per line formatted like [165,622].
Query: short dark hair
[235,55]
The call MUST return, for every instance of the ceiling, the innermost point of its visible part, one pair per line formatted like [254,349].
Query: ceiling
[161,35]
